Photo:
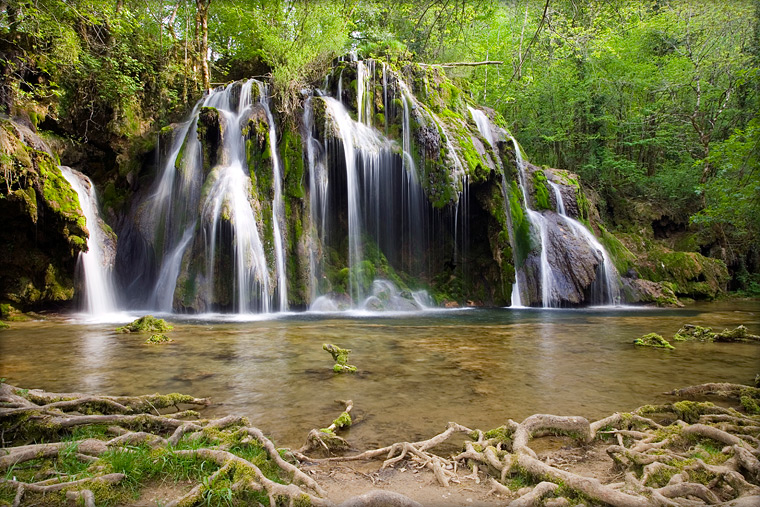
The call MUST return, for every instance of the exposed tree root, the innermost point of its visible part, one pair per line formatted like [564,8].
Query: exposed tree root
[695,454]
[681,454]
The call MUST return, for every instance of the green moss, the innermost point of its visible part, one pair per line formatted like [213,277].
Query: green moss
[157,339]
[501,434]
[653,340]
[10,313]
[738,334]
[750,405]
[145,324]
[340,356]
[292,162]
[343,420]
[475,166]
[520,225]
[622,258]
[691,332]
[58,193]
[690,411]
[541,190]
[583,205]
[3,325]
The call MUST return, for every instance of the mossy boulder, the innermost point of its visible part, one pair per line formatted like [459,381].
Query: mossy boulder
[691,332]
[146,324]
[690,274]
[653,340]
[43,226]
[156,339]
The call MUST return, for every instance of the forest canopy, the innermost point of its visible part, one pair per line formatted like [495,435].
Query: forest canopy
[648,101]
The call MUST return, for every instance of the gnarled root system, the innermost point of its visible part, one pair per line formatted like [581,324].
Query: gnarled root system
[98,450]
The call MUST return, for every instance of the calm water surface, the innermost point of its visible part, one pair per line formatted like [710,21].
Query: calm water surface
[416,371]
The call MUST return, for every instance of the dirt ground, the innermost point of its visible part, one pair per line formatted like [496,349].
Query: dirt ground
[343,480]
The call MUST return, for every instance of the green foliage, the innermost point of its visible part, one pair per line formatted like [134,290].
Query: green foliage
[731,197]
[296,41]
[542,192]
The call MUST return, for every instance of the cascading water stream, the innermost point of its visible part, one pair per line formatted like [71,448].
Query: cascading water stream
[384,202]
[538,221]
[361,147]
[186,214]
[99,295]
[318,185]
[206,214]
[278,212]
[484,127]
[607,275]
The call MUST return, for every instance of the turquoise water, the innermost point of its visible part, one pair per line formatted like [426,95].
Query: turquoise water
[416,372]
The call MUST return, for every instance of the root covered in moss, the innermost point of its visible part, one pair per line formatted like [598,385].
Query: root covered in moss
[103,448]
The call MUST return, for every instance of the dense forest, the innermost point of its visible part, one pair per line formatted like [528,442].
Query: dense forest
[653,104]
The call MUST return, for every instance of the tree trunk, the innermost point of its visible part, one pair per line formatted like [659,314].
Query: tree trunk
[202,40]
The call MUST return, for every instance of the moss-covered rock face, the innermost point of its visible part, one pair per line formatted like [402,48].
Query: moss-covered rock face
[43,228]
[210,133]
[689,274]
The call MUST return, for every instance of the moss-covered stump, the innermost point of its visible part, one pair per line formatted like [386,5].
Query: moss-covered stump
[653,340]
[340,356]
[146,324]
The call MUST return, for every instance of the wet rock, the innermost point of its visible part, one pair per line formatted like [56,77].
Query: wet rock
[653,340]
[573,261]
[636,290]
[691,332]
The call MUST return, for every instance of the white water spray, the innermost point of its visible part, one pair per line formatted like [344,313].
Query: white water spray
[607,275]
[99,293]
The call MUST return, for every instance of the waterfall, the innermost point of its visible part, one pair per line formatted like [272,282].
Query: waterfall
[318,185]
[376,187]
[607,282]
[199,220]
[228,199]
[386,198]
[355,136]
[99,295]
[278,212]
[538,221]
[484,127]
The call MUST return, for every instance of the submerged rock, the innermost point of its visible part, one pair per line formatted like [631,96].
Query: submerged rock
[146,324]
[653,340]
[690,332]
[156,339]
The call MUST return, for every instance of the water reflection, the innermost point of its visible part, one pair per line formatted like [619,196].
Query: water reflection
[416,371]
[95,360]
